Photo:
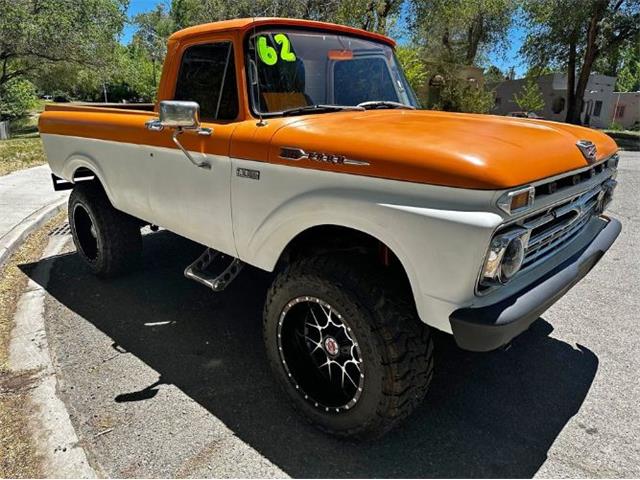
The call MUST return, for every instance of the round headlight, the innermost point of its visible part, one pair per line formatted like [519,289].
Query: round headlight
[512,259]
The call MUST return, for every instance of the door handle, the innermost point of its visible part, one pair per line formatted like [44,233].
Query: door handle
[154,125]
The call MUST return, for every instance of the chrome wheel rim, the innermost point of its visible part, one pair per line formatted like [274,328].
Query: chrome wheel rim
[320,354]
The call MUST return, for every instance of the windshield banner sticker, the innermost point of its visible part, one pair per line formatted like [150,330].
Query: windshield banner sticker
[269,56]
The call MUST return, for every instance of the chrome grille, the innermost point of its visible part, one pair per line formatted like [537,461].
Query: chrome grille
[559,224]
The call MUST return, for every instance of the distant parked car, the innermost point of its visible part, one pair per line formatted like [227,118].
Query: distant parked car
[525,115]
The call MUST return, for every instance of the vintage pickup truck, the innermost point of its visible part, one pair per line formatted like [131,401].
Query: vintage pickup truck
[298,147]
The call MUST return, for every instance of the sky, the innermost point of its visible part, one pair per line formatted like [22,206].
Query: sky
[504,61]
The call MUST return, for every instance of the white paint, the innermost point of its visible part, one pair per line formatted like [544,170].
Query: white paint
[55,437]
[440,234]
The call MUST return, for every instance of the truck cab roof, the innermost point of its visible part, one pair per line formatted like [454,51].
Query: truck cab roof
[246,24]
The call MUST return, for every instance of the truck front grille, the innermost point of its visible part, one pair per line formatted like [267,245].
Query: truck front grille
[559,224]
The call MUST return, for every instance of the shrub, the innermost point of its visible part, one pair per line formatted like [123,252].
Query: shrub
[17,99]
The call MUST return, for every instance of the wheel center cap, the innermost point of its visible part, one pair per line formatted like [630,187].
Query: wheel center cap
[331,346]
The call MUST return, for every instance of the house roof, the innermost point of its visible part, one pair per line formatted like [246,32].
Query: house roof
[245,24]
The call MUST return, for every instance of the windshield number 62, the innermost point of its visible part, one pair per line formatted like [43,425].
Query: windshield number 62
[269,55]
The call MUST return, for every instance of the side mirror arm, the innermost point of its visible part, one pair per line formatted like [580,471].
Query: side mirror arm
[156,126]
[204,164]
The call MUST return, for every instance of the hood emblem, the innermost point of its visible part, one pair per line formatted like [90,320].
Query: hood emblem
[588,149]
[295,154]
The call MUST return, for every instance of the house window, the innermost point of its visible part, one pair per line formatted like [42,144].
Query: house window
[498,101]
[597,108]
[619,111]
[558,105]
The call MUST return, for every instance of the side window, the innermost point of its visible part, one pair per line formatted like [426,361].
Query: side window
[208,76]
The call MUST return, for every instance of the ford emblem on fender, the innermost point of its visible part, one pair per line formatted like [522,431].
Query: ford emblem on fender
[588,149]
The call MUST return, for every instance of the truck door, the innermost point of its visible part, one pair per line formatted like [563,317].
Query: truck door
[191,201]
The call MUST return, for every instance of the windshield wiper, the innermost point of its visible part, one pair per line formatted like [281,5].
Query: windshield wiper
[384,104]
[317,108]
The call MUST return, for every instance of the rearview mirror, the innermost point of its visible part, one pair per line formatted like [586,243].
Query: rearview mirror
[179,114]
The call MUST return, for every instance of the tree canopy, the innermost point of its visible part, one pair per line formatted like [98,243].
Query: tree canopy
[458,31]
[34,33]
[574,35]
[73,48]
[530,98]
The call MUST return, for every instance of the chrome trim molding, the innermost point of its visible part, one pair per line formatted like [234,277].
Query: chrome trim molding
[295,154]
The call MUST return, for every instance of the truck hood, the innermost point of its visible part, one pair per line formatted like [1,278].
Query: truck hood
[441,148]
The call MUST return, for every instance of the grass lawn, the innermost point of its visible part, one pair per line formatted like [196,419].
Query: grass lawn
[23,149]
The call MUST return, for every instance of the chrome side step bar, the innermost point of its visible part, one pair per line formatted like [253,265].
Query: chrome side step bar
[198,271]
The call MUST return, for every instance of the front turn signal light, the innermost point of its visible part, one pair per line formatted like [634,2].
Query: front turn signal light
[517,200]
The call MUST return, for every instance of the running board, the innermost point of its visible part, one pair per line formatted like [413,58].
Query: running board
[217,282]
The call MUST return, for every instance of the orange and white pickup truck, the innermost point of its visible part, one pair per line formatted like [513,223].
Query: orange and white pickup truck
[298,147]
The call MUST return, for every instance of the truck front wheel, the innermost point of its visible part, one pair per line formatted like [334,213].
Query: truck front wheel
[108,240]
[351,355]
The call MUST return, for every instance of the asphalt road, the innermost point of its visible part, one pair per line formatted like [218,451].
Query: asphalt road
[164,378]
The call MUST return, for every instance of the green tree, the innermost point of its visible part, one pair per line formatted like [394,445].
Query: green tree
[34,33]
[153,30]
[17,99]
[456,93]
[629,71]
[530,98]
[458,31]
[494,75]
[536,71]
[574,34]
[411,59]
[374,15]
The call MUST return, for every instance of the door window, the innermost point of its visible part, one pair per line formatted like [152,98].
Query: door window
[208,76]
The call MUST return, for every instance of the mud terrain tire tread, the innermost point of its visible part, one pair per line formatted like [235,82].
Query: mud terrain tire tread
[402,340]
[119,236]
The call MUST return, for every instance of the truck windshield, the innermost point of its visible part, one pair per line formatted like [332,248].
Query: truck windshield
[293,69]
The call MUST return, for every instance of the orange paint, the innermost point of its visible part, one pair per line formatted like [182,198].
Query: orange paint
[340,54]
[458,150]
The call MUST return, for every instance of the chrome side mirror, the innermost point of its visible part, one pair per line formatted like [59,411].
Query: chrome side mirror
[180,115]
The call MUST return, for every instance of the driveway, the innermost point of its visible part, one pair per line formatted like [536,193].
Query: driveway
[164,378]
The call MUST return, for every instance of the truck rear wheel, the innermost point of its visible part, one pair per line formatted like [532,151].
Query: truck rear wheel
[108,240]
[351,355]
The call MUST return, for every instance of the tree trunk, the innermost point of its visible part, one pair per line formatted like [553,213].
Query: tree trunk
[474,35]
[4,130]
[571,80]
[590,55]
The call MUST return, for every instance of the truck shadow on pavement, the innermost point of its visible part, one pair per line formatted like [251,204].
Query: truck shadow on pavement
[486,415]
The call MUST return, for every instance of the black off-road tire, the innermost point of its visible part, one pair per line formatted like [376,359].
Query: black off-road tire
[108,240]
[395,346]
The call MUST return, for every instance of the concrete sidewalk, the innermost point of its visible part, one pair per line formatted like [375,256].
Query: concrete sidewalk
[27,200]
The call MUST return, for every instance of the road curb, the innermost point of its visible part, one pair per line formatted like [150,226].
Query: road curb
[59,449]
[12,240]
